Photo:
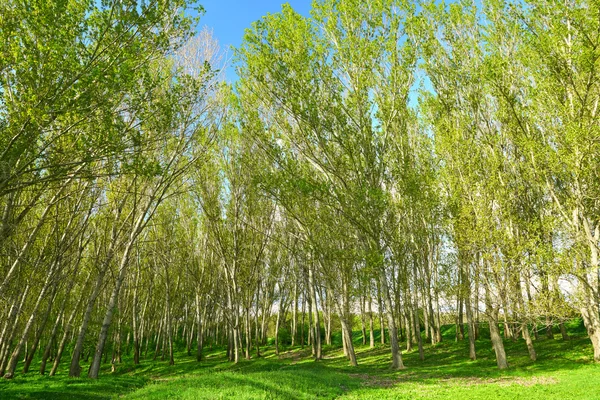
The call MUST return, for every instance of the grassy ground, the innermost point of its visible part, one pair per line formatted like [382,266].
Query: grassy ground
[563,371]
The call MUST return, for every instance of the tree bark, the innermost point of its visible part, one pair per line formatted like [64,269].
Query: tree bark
[9,337]
[371,324]
[497,342]
[393,332]
[95,367]
[14,359]
[67,330]
[317,325]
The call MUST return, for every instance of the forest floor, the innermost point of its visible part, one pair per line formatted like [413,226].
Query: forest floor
[564,370]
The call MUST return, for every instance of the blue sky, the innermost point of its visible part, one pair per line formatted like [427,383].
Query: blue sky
[229,18]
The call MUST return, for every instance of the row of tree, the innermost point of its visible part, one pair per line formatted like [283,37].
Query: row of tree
[379,163]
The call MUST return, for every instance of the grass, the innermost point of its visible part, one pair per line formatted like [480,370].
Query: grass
[564,370]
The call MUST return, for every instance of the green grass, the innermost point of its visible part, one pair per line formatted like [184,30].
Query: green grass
[564,370]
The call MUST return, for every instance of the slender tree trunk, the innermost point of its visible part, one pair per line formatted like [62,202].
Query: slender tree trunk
[7,327]
[371,324]
[380,311]
[524,325]
[294,312]
[38,336]
[460,329]
[469,310]
[328,314]
[317,324]
[393,332]
[9,337]
[546,292]
[347,339]
[363,327]
[471,327]
[198,328]
[75,368]
[563,331]
[418,329]
[497,342]
[248,332]
[528,341]
[589,292]
[12,363]
[169,329]
[438,319]
[95,367]
[158,338]
[67,329]
[277,328]
[302,325]
[589,312]
[408,325]
[428,297]
[256,333]
[135,316]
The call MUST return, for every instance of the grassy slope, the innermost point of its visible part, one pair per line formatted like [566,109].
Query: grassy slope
[563,370]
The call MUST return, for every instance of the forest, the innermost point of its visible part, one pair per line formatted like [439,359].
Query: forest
[386,177]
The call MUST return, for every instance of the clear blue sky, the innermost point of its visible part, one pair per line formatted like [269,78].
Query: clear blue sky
[229,18]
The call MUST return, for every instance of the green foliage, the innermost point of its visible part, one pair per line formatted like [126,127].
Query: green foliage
[422,159]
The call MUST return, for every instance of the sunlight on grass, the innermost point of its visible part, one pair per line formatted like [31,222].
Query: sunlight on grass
[564,370]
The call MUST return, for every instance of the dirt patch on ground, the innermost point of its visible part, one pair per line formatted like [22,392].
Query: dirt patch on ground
[163,379]
[375,381]
[384,382]
[507,381]
[294,356]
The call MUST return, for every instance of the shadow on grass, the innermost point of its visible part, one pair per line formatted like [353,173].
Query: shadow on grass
[293,374]
[61,387]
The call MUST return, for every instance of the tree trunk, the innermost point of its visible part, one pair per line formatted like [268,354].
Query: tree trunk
[363,327]
[418,328]
[416,314]
[248,332]
[12,363]
[471,327]
[134,317]
[169,320]
[256,333]
[75,368]
[563,331]
[302,325]
[497,342]
[529,342]
[409,326]
[460,328]
[589,307]
[158,338]
[316,320]
[95,367]
[294,312]
[469,310]
[347,339]
[380,311]
[198,329]
[14,316]
[51,341]
[277,329]
[393,332]
[67,330]
[371,324]
[40,331]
